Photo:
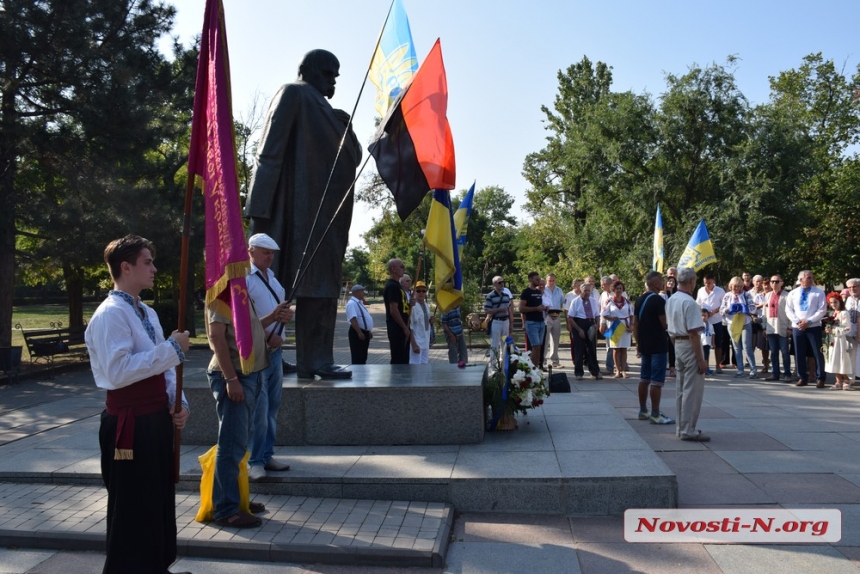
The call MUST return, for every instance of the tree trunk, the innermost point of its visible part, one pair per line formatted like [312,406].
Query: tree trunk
[8,199]
[75,291]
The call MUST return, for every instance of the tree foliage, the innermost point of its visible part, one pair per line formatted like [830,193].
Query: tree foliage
[93,140]
[490,248]
[773,181]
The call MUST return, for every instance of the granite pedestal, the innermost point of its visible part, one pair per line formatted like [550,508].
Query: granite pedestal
[380,405]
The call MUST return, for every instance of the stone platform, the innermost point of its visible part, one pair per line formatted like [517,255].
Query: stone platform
[431,404]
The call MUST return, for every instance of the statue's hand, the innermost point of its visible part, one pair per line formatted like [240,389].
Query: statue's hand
[341,115]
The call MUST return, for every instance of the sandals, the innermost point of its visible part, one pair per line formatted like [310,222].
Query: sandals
[256,507]
[240,520]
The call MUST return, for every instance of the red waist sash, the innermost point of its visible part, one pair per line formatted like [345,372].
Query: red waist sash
[141,398]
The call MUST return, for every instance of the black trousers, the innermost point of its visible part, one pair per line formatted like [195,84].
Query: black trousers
[397,344]
[584,350]
[357,347]
[141,512]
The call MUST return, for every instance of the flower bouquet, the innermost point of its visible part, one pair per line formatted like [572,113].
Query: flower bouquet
[528,386]
[526,390]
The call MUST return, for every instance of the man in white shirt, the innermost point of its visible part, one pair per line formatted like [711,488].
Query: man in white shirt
[572,294]
[360,326]
[131,359]
[805,308]
[553,298]
[684,323]
[605,295]
[582,319]
[497,305]
[778,329]
[267,293]
[852,305]
[709,298]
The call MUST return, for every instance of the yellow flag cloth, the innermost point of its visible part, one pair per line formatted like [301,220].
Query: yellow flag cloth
[737,326]
[207,482]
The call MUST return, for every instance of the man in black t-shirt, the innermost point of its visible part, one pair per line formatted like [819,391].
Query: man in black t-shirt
[531,305]
[396,314]
[649,328]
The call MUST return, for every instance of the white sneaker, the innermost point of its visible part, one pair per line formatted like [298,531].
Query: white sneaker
[255,473]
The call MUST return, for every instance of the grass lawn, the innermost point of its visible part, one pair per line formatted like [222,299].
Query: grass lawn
[42,317]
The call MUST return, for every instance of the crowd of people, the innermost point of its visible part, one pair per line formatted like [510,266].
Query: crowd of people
[754,325]
[673,325]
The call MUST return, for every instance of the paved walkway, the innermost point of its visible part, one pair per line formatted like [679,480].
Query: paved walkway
[773,445]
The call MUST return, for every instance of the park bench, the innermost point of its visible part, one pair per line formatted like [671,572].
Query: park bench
[45,344]
[473,322]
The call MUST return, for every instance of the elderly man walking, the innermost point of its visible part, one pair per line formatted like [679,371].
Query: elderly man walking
[684,321]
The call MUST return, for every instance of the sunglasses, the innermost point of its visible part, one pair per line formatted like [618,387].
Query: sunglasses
[772,281]
[421,290]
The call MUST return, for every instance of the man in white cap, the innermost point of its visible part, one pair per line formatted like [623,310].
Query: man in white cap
[360,326]
[266,293]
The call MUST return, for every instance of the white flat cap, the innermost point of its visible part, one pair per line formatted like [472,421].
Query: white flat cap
[262,240]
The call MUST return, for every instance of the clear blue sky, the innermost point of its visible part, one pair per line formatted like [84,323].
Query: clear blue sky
[502,57]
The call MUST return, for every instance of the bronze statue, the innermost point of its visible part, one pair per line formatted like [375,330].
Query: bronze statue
[294,159]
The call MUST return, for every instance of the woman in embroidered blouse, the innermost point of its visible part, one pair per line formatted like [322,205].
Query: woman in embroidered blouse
[837,349]
[420,321]
[759,293]
[737,309]
[618,308]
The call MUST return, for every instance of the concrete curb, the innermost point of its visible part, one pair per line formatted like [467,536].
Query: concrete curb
[255,551]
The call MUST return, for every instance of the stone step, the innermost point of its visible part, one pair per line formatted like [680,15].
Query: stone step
[296,529]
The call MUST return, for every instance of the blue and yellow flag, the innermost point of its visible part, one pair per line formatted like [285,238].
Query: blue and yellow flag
[461,216]
[615,331]
[394,62]
[657,261]
[700,250]
[440,239]
[736,327]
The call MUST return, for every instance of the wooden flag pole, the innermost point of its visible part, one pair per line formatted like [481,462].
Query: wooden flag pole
[180,323]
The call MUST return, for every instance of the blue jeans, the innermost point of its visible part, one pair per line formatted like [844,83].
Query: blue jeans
[653,369]
[266,411]
[809,336]
[779,345]
[535,331]
[234,436]
[746,342]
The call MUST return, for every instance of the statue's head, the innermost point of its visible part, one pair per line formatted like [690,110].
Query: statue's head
[319,68]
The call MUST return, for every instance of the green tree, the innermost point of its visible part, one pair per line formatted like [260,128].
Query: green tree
[819,105]
[356,268]
[590,182]
[70,71]
[489,248]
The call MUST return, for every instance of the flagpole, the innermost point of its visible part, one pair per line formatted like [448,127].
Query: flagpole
[180,323]
[339,149]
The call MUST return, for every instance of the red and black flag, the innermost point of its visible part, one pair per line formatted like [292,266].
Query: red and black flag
[413,148]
